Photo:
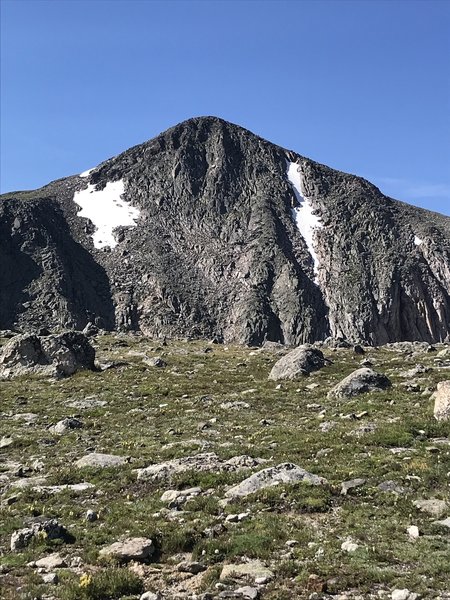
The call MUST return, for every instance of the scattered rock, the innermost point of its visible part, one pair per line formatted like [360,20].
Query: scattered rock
[252,569]
[247,591]
[403,595]
[101,460]
[349,546]
[346,486]
[433,506]
[67,425]
[138,549]
[150,596]
[176,498]
[359,382]
[441,399]
[391,487]
[413,532]
[443,523]
[49,528]
[50,578]
[91,516]
[156,361]
[298,363]
[52,561]
[281,474]
[6,441]
[200,462]
[192,567]
[87,403]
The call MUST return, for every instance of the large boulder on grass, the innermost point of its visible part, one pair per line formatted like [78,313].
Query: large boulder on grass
[58,355]
[298,363]
[360,382]
[139,549]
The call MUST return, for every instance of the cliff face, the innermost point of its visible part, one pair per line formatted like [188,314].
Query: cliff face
[226,235]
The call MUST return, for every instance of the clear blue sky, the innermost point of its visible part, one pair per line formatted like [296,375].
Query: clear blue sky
[363,86]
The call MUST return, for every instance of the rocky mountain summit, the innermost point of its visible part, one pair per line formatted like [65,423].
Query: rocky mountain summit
[210,231]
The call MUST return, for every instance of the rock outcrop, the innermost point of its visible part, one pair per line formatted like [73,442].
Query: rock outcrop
[51,355]
[215,248]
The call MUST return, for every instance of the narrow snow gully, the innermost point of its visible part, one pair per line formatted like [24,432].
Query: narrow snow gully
[303,214]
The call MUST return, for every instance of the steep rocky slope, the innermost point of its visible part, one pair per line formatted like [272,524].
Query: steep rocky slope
[219,248]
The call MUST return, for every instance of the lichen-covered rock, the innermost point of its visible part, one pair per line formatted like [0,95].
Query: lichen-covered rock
[359,382]
[441,399]
[97,459]
[298,363]
[285,473]
[51,355]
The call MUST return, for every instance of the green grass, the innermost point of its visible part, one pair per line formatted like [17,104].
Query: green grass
[153,414]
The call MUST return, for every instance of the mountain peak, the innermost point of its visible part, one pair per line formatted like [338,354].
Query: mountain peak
[208,230]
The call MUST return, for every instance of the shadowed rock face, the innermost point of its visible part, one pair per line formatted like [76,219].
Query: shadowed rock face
[216,250]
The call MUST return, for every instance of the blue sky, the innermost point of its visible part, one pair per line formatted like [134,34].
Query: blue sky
[363,86]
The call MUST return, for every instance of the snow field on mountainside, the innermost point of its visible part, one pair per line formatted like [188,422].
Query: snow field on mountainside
[106,209]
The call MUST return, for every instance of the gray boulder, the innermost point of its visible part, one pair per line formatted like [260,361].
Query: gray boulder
[298,363]
[96,459]
[441,399]
[53,355]
[359,382]
[138,549]
[281,474]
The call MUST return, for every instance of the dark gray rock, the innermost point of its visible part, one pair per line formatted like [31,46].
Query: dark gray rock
[359,382]
[216,252]
[301,361]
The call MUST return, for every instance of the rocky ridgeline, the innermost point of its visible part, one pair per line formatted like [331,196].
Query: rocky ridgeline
[216,251]
[262,509]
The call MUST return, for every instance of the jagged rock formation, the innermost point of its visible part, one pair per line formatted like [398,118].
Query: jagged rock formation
[218,249]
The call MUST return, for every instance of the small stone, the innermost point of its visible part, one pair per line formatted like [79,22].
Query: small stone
[349,546]
[404,594]
[291,543]
[67,425]
[52,561]
[6,441]
[190,567]
[346,486]
[91,516]
[253,569]
[443,523]
[248,592]
[50,578]
[150,596]
[433,506]
[391,487]
[413,532]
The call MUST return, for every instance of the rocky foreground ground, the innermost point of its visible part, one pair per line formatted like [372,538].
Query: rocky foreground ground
[196,470]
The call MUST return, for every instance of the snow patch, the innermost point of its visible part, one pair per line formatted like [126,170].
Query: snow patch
[86,173]
[417,240]
[107,210]
[304,217]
